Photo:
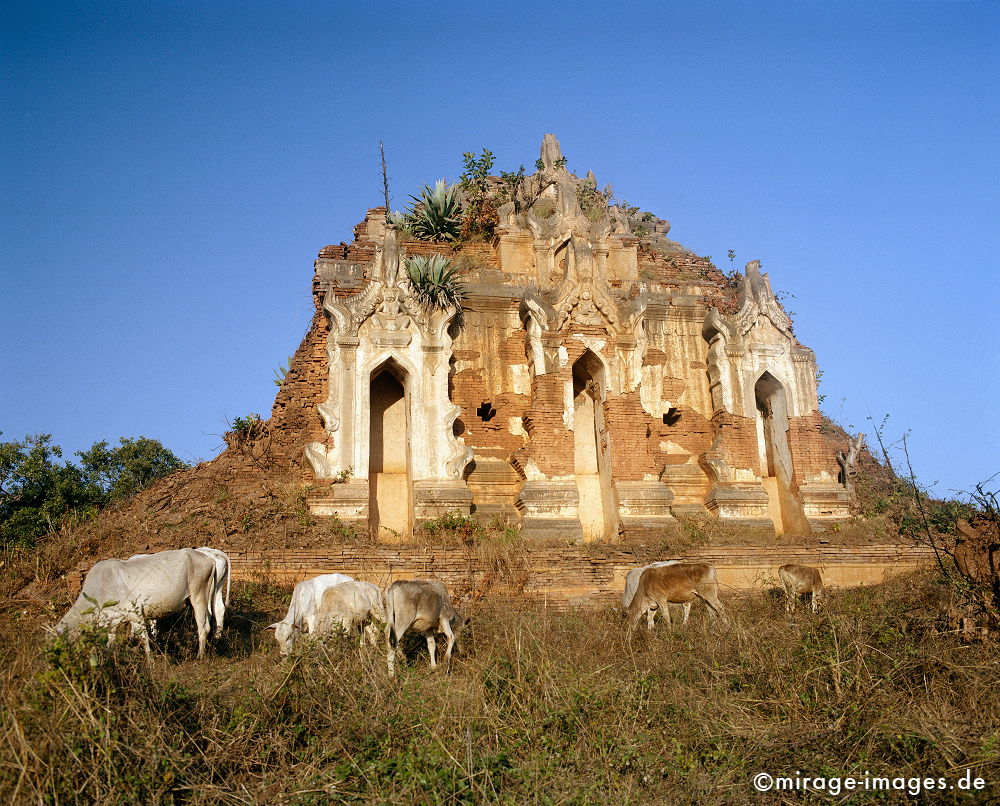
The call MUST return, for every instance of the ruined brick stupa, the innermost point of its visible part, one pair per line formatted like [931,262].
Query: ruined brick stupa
[598,379]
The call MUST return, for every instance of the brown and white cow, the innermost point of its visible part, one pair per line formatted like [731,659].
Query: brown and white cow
[798,580]
[673,584]
[424,606]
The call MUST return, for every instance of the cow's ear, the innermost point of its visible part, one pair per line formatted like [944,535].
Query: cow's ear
[272,626]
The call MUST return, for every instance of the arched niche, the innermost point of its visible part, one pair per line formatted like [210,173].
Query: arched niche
[389,462]
[774,455]
[598,509]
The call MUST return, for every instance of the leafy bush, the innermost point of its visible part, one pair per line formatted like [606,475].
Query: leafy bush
[433,281]
[38,492]
[128,468]
[593,202]
[480,216]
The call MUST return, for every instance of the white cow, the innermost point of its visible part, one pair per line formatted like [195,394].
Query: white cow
[798,580]
[144,588]
[424,606]
[219,601]
[301,615]
[222,576]
[352,607]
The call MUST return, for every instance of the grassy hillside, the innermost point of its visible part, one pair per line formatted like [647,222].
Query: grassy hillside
[541,707]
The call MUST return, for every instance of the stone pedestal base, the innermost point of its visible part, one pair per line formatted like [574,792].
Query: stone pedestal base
[689,485]
[436,498]
[739,502]
[494,484]
[644,504]
[431,499]
[348,501]
[550,509]
[824,504]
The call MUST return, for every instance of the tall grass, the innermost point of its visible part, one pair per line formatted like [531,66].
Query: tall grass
[541,707]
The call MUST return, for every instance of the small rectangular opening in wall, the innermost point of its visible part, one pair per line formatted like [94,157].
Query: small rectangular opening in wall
[486,412]
[671,416]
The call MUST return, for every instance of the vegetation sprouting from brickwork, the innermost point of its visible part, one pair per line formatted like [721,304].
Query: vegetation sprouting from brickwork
[434,281]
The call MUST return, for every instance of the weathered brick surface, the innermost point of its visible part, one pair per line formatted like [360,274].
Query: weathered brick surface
[811,451]
[551,443]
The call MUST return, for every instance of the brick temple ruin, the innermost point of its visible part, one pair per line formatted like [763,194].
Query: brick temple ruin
[599,379]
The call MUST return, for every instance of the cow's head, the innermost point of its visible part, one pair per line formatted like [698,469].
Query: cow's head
[459,625]
[285,634]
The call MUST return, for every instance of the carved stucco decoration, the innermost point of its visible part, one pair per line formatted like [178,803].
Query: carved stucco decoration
[755,339]
[538,318]
[756,299]
[589,305]
[719,334]
[382,323]
[717,463]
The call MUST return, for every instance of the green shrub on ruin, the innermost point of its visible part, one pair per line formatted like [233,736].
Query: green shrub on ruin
[433,281]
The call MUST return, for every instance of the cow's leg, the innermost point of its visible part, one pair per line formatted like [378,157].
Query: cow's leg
[446,629]
[139,629]
[393,637]
[200,604]
[431,648]
[390,649]
[218,612]
[814,600]
[790,597]
[687,611]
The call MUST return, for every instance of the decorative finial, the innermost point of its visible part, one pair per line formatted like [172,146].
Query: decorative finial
[551,152]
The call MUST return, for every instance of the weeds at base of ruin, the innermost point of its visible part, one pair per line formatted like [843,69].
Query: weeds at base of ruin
[539,704]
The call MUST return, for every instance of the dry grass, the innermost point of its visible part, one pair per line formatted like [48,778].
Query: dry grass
[542,707]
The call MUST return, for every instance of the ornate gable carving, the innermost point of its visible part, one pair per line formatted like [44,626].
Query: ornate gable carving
[756,299]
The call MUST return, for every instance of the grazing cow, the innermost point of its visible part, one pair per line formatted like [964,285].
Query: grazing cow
[352,606]
[301,615]
[423,606]
[674,584]
[220,600]
[798,580]
[144,588]
[632,582]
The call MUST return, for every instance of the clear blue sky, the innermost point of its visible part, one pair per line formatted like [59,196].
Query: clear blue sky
[170,169]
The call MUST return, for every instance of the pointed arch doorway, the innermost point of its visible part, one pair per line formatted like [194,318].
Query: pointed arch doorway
[598,508]
[390,497]
[775,457]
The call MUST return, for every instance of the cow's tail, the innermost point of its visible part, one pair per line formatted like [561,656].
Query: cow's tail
[229,577]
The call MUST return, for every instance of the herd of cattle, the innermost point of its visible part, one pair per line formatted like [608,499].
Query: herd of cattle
[146,587]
